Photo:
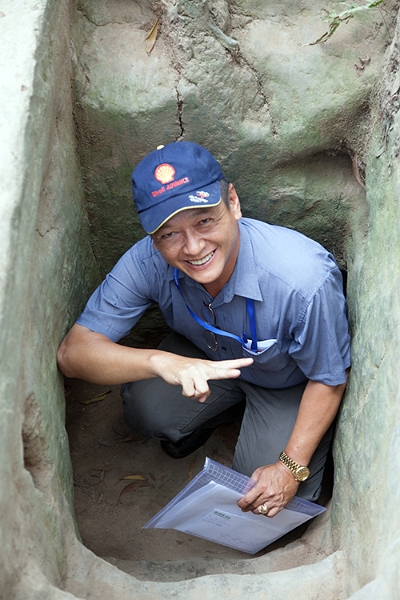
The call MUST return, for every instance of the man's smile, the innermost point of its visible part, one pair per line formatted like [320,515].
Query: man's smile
[202,261]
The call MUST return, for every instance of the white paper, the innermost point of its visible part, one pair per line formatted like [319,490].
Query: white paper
[207,508]
[262,345]
[231,530]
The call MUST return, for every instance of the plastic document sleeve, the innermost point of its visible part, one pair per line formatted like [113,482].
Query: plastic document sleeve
[207,508]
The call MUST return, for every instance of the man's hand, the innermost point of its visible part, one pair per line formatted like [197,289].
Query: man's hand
[93,357]
[275,487]
[193,374]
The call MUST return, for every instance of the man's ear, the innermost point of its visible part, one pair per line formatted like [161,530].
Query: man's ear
[234,202]
[154,242]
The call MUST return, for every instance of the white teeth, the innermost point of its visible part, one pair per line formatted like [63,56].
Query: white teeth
[202,261]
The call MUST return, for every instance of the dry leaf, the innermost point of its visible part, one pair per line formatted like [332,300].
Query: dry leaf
[356,172]
[97,474]
[131,487]
[134,477]
[96,398]
[151,38]
[190,472]
[131,438]
[108,442]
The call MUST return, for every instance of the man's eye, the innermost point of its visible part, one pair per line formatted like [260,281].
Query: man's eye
[168,236]
[206,221]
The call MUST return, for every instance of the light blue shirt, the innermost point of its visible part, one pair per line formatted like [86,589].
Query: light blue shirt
[298,294]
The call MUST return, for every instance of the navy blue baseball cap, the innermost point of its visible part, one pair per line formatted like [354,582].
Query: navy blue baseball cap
[173,178]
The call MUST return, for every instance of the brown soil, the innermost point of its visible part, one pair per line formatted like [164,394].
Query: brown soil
[111,510]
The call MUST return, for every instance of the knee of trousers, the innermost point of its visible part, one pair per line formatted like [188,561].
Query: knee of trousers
[143,417]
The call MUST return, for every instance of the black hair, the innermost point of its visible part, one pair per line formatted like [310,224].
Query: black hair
[224,186]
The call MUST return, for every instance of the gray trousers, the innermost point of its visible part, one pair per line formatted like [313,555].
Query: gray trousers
[155,409]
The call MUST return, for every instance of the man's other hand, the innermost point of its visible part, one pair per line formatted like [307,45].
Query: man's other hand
[275,487]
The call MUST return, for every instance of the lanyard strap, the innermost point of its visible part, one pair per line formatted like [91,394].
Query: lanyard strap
[252,320]
[250,312]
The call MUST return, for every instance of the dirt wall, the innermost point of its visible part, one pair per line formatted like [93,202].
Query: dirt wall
[295,108]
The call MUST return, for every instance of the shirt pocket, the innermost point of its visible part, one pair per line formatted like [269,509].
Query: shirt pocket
[269,357]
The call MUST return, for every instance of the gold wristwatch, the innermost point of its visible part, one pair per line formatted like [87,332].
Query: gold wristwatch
[300,473]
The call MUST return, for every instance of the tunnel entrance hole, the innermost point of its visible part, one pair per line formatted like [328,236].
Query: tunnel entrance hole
[122,480]
[111,510]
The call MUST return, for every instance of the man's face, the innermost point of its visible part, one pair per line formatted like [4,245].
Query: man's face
[203,242]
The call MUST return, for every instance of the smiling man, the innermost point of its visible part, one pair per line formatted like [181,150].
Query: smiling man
[258,319]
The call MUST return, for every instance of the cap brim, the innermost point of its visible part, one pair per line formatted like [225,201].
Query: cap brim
[155,217]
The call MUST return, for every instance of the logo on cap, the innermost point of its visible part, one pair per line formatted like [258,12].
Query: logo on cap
[164,173]
[199,197]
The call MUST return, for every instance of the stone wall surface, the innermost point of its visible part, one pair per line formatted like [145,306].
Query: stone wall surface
[240,79]
[46,271]
[368,439]
[288,121]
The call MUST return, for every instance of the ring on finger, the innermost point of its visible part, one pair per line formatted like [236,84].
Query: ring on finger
[264,509]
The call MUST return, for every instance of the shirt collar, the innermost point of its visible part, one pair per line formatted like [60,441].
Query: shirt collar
[243,281]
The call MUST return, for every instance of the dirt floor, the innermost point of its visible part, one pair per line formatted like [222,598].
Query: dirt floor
[121,481]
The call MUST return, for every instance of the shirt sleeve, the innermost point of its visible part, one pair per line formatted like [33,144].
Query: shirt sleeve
[119,302]
[321,341]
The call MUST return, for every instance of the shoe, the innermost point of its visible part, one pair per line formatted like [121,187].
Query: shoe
[188,444]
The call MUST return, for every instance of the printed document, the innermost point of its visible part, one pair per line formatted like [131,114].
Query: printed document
[207,508]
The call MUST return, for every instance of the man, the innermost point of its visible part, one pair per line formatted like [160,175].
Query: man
[257,313]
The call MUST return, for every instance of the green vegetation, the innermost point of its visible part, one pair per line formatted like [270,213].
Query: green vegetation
[335,19]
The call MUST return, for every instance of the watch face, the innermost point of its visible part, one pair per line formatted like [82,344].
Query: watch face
[302,473]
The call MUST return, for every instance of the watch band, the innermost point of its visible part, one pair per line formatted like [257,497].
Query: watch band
[300,472]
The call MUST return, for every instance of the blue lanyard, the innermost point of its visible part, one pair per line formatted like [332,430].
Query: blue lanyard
[250,312]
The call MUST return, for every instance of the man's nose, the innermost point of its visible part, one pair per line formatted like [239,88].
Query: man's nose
[194,243]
